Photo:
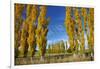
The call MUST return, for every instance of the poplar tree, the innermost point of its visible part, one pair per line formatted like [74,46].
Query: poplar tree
[41,31]
[91,29]
[80,32]
[32,12]
[17,24]
[69,23]
[21,48]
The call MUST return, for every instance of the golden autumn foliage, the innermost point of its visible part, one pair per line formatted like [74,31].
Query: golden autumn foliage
[73,23]
[31,15]
[41,31]
[28,36]
[75,29]
[80,32]
[17,23]
[69,23]
[91,29]
[84,14]
[18,10]
[22,41]
[89,24]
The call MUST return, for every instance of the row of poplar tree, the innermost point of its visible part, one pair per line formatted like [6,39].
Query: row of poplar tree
[31,31]
[80,22]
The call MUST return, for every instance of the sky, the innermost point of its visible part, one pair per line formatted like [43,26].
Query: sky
[56,26]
